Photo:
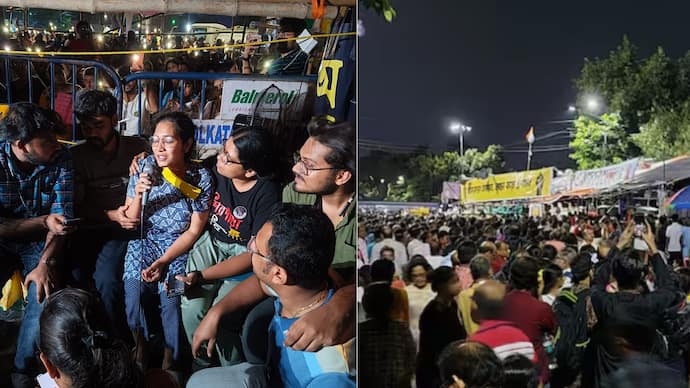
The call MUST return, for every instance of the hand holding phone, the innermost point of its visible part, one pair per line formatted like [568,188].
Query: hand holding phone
[71,221]
[174,287]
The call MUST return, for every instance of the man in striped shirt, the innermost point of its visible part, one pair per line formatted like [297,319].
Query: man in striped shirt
[502,336]
[35,199]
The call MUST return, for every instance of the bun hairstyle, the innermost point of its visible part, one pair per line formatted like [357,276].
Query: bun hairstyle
[75,336]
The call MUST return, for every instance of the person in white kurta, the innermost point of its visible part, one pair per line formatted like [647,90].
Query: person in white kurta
[419,292]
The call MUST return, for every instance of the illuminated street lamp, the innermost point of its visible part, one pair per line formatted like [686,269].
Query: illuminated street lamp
[460,130]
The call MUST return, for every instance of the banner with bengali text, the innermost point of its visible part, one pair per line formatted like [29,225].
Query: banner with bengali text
[514,185]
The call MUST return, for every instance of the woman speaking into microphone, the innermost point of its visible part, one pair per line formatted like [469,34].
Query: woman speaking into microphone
[172,196]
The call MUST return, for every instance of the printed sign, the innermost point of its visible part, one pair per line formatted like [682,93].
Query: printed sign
[605,177]
[210,135]
[515,185]
[240,96]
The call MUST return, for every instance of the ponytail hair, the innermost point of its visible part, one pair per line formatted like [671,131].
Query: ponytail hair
[76,337]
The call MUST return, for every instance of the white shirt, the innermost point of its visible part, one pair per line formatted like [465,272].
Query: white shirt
[130,113]
[674,232]
[398,248]
[435,261]
[412,246]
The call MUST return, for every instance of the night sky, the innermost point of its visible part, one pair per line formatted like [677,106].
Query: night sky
[497,66]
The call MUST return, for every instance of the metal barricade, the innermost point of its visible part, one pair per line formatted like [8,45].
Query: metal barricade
[9,60]
[190,76]
[119,83]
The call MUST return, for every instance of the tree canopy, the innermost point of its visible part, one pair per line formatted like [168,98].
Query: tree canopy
[421,177]
[649,98]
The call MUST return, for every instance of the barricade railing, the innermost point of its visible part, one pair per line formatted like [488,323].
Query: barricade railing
[10,60]
[204,78]
[16,63]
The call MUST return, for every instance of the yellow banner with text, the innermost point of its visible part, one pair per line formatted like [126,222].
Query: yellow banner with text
[513,185]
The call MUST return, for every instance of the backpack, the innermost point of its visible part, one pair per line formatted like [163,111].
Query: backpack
[572,338]
[676,330]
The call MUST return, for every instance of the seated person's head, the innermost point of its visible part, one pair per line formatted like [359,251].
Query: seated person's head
[519,372]
[32,132]
[96,113]
[326,161]
[294,248]
[77,345]
[246,154]
[470,365]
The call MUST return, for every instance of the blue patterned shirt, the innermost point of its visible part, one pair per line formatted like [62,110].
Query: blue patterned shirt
[168,214]
[48,189]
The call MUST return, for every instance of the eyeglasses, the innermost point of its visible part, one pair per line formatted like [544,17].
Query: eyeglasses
[305,169]
[251,248]
[167,140]
[225,158]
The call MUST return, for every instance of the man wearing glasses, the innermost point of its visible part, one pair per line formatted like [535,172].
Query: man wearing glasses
[325,180]
[101,175]
[291,256]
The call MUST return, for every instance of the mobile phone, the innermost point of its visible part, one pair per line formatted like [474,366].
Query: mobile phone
[71,221]
[175,287]
[45,381]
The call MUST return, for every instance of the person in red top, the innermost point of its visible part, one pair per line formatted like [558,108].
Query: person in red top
[502,336]
[501,257]
[534,317]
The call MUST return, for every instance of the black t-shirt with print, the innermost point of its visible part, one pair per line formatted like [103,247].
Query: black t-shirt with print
[236,217]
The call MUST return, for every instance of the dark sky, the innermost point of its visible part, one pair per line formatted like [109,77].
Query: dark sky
[497,66]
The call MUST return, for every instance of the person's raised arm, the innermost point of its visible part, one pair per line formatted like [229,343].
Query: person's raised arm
[661,272]
[626,236]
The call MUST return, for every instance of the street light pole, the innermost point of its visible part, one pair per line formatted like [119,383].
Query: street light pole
[460,130]
[461,136]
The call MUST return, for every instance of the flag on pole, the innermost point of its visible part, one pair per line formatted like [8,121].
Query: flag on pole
[530,135]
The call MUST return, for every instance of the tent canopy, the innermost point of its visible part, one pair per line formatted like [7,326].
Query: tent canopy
[279,8]
[680,200]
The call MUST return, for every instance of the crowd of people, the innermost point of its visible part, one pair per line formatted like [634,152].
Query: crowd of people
[282,58]
[187,266]
[568,300]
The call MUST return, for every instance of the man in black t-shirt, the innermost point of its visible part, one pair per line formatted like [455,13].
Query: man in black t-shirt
[101,171]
